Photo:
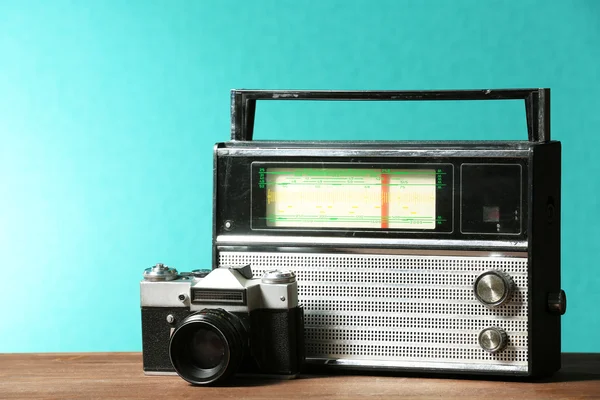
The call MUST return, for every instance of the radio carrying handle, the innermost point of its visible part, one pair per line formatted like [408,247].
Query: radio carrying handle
[537,104]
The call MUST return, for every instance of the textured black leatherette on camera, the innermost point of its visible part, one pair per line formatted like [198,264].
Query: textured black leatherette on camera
[156,333]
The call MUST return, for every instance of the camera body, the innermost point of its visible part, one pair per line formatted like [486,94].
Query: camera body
[205,325]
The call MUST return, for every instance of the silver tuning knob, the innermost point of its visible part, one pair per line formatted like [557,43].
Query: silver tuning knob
[492,339]
[493,288]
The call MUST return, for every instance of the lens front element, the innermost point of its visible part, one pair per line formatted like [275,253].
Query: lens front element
[207,349]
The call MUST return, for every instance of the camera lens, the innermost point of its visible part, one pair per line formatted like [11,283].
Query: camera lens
[208,346]
[207,349]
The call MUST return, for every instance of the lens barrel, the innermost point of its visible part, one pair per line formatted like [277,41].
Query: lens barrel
[208,346]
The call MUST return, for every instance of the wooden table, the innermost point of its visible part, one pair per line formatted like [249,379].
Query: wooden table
[120,376]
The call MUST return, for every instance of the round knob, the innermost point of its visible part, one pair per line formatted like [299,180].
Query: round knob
[493,288]
[278,276]
[201,273]
[160,272]
[557,303]
[493,339]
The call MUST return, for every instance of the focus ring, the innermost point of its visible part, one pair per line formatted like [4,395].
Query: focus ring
[232,336]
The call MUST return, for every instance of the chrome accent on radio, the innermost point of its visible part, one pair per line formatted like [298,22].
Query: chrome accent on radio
[374,251]
[380,153]
[414,311]
[224,240]
[443,366]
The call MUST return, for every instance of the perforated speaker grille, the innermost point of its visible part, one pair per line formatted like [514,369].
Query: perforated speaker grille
[400,308]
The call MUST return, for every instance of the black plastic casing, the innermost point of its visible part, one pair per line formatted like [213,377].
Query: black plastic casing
[275,342]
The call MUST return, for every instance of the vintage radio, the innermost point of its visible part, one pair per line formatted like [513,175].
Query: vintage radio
[410,255]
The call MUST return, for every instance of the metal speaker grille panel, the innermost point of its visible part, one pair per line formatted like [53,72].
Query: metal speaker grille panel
[400,308]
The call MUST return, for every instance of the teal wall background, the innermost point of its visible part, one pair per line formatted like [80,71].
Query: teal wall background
[109,111]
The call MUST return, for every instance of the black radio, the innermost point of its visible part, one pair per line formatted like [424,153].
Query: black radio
[410,256]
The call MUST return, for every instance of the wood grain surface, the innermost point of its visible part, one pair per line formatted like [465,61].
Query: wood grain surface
[120,376]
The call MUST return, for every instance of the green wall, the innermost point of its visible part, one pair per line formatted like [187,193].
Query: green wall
[109,111]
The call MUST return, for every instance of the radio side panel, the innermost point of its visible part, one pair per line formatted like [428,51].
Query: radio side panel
[544,258]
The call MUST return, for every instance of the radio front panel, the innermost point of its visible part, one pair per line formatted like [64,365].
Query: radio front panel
[402,311]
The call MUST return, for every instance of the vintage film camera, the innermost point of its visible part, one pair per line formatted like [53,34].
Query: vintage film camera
[410,256]
[205,325]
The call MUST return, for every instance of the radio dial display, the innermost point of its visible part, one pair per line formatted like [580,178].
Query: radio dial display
[351,198]
[343,197]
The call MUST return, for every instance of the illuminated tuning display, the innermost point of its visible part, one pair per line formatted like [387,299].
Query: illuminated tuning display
[351,198]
